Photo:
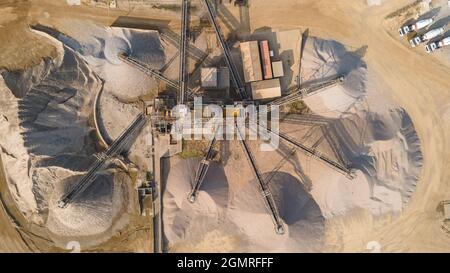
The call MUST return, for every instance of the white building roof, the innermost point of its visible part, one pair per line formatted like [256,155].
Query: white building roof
[266,89]
[251,61]
[277,68]
[209,76]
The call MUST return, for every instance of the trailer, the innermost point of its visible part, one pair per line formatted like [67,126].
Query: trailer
[437,45]
[421,24]
[427,36]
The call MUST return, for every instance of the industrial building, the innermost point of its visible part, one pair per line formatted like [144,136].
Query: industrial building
[251,61]
[267,89]
[215,78]
[277,69]
[209,77]
[265,57]
[259,70]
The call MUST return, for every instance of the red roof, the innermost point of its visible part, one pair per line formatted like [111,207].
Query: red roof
[265,56]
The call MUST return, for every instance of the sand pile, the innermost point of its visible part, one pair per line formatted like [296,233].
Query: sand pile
[50,142]
[94,212]
[368,131]
[188,224]
[14,154]
[52,120]
[100,47]
[325,59]
[304,223]
[377,137]
[46,121]
[233,217]
[119,100]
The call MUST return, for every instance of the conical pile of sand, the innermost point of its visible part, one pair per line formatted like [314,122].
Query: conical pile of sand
[237,216]
[50,115]
[372,134]
[92,212]
[184,220]
[326,59]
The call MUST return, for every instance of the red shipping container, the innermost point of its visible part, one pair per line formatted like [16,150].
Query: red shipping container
[265,56]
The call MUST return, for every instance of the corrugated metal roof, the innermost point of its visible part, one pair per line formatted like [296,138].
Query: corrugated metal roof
[278,69]
[266,89]
[209,76]
[215,77]
[265,57]
[251,61]
[223,78]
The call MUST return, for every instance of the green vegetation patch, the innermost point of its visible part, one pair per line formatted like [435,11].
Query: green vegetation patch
[297,107]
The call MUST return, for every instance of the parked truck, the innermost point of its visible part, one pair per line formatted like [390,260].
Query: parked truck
[427,36]
[421,24]
[436,45]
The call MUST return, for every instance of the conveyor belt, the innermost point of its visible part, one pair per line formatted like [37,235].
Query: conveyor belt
[305,92]
[153,73]
[267,195]
[236,78]
[115,149]
[202,171]
[183,49]
[347,170]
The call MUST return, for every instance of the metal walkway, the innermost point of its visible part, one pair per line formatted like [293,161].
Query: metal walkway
[115,149]
[236,78]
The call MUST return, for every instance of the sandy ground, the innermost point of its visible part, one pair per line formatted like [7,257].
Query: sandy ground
[424,94]
[348,126]
[101,56]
